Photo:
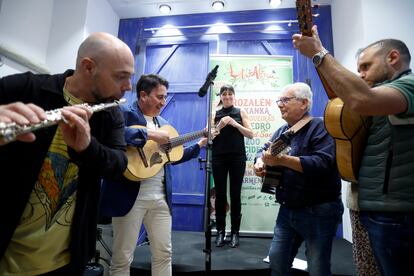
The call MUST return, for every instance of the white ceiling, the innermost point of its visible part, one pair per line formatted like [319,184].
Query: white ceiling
[149,8]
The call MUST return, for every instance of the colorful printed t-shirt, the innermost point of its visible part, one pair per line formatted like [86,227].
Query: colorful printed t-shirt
[40,242]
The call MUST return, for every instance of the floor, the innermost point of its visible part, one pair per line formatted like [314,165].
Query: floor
[247,259]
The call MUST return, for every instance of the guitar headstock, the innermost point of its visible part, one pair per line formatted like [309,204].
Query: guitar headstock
[304,13]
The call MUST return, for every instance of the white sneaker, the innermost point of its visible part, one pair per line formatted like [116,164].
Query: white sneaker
[266,260]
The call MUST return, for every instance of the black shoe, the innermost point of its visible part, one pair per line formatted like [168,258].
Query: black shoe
[220,238]
[234,242]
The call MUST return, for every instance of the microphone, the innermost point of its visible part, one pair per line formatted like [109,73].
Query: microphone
[209,80]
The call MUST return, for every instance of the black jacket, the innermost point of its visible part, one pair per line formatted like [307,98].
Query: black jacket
[20,163]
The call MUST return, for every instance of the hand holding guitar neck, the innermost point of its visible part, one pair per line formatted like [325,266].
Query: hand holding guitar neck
[308,41]
[202,142]
[308,45]
[349,129]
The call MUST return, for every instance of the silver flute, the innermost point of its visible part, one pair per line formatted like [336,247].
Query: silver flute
[9,131]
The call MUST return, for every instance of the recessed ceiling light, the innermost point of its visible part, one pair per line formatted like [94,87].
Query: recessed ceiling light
[164,8]
[218,5]
[275,3]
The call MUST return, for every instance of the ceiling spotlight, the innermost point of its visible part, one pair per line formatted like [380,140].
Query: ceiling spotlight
[164,8]
[275,3]
[218,5]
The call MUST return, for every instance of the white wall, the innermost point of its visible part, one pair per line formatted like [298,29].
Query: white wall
[24,27]
[357,23]
[50,31]
[66,34]
[101,18]
[73,21]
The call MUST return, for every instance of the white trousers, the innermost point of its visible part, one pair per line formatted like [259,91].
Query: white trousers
[156,217]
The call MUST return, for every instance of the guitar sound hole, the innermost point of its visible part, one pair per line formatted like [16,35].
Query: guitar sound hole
[155,159]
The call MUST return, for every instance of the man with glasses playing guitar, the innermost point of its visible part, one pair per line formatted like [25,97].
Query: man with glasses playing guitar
[308,188]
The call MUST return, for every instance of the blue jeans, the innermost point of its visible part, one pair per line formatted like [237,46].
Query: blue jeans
[316,225]
[391,235]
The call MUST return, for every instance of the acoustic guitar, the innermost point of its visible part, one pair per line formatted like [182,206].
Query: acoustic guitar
[147,161]
[274,173]
[280,146]
[349,129]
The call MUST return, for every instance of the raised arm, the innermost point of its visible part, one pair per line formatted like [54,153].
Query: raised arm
[352,89]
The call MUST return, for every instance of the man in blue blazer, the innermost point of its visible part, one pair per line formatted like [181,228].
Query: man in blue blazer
[149,201]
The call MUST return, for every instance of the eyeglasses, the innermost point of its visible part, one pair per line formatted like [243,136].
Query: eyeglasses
[284,100]
[161,97]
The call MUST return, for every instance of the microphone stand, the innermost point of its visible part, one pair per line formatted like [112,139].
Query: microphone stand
[208,172]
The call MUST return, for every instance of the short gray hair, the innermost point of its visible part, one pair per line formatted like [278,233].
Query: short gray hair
[301,91]
[386,45]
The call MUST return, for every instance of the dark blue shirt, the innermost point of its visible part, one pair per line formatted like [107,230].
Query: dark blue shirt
[320,181]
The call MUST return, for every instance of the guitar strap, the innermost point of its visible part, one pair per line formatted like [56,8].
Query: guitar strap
[301,123]
[289,133]
[141,150]
[156,122]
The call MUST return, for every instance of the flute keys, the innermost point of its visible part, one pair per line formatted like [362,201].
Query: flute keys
[7,132]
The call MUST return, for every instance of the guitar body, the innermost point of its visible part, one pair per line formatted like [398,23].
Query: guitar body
[350,131]
[273,174]
[154,157]
[271,179]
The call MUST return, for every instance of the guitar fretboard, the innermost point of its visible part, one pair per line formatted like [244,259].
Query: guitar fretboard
[177,141]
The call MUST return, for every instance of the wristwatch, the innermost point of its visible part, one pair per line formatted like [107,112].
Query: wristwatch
[318,57]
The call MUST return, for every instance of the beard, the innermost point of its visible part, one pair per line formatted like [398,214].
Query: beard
[379,77]
[383,76]
[97,95]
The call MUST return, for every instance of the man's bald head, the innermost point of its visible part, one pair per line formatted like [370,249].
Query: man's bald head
[104,67]
[100,46]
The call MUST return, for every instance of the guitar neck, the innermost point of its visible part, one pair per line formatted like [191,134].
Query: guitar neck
[176,141]
[304,12]
[328,89]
